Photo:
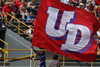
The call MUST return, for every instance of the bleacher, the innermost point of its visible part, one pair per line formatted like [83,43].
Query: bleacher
[25,36]
[37,3]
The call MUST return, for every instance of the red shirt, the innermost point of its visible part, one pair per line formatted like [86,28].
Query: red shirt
[18,3]
[6,9]
[90,7]
[98,2]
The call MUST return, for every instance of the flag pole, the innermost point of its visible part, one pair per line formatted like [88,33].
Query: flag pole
[36,52]
[35,59]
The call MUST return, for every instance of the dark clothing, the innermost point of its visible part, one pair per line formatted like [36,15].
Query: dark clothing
[15,9]
[42,58]
[29,24]
[84,1]
[30,9]
[2,4]
[2,36]
[42,61]
[97,13]
[99,44]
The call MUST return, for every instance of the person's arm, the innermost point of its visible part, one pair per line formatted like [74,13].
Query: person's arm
[12,12]
[3,11]
[4,14]
[20,9]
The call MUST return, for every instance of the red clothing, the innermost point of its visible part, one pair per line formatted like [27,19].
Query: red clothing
[34,23]
[90,7]
[98,2]
[76,0]
[6,9]
[18,3]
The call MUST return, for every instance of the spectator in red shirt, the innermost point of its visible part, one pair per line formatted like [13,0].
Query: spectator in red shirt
[98,2]
[90,7]
[18,3]
[15,10]
[6,9]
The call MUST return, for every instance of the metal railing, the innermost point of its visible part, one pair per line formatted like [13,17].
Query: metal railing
[66,66]
[20,30]
[5,51]
[19,25]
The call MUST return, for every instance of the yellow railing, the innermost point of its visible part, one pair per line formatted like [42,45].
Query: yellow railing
[5,51]
[18,27]
[63,61]
[35,60]
[19,21]
[66,66]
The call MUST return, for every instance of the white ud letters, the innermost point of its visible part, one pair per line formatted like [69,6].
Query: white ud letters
[66,30]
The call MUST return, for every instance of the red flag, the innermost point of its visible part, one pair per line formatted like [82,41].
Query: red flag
[66,30]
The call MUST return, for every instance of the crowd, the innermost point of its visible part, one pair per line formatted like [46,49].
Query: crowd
[19,8]
[92,6]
